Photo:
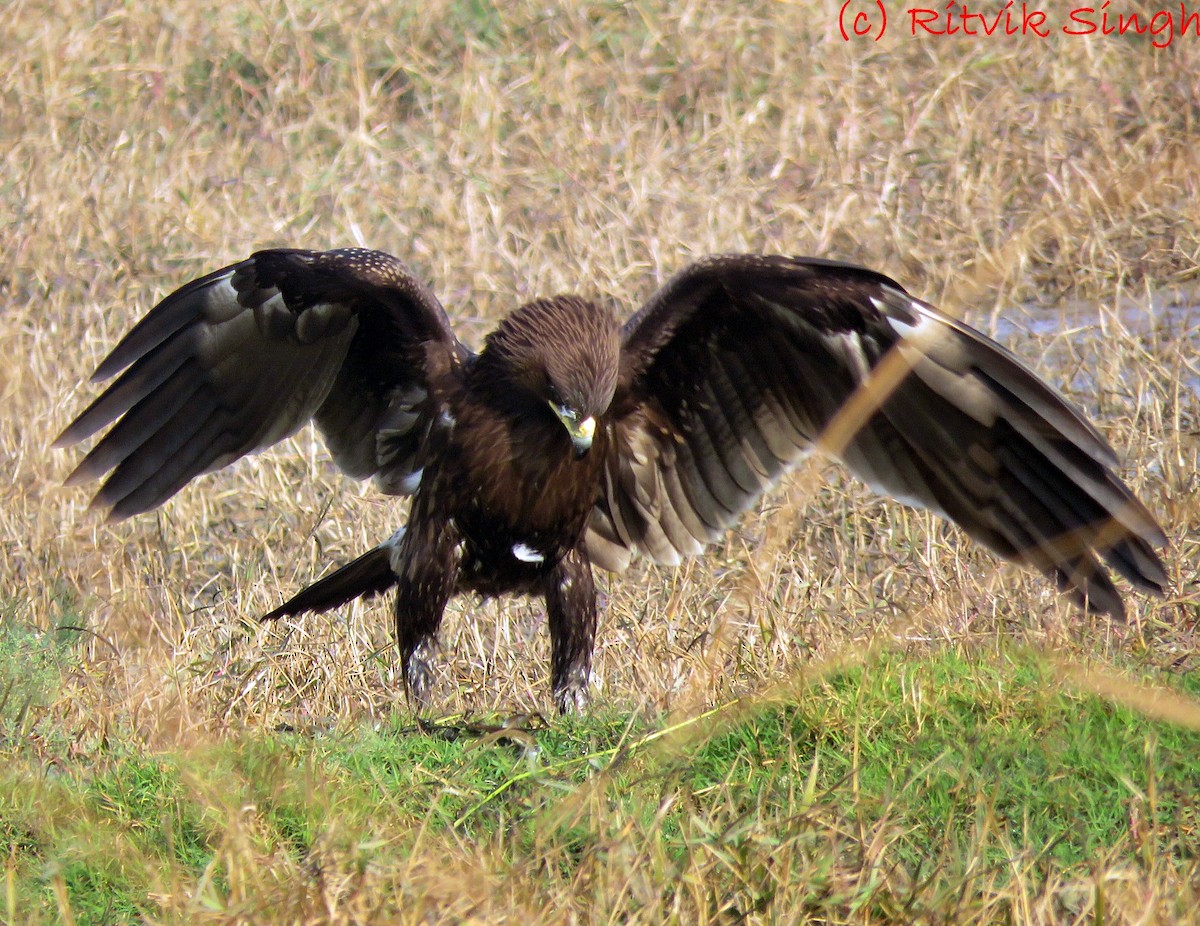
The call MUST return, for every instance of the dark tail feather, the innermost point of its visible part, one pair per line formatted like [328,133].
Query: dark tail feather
[366,576]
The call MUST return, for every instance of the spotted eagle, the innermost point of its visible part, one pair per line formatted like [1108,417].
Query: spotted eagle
[571,441]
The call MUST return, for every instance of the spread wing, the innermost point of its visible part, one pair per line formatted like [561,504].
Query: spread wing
[739,365]
[237,360]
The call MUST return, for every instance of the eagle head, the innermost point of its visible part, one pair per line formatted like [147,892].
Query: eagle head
[564,353]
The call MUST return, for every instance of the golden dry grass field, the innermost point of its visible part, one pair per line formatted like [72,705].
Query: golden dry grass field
[1048,190]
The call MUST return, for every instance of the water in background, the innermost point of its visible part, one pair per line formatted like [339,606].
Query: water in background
[1083,348]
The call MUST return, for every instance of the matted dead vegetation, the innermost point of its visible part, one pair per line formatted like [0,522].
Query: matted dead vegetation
[544,147]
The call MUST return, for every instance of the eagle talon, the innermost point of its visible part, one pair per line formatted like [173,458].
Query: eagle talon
[419,676]
[572,699]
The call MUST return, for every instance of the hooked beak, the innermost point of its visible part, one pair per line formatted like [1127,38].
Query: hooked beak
[581,430]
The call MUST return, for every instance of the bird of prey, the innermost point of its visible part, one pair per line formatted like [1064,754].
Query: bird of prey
[571,441]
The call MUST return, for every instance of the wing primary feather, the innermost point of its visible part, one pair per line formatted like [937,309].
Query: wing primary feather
[1080,516]
[176,312]
[753,463]
[778,441]
[145,376]
[1080,455]
[709,487]
[998,365]
[1059,554]
[213,450]
[694,494]
[1087,467]
[160,409]
[1020,494]
[168,459]
[727,469]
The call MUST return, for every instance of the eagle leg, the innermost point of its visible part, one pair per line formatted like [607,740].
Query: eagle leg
[571,611]
[426,565]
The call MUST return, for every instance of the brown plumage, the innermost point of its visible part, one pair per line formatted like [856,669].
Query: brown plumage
[569,441]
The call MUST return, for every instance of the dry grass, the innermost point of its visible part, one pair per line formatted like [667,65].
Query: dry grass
[551,147]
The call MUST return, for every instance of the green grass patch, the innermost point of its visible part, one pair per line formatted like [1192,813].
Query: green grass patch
[888,790]
[957,752]
[32,663]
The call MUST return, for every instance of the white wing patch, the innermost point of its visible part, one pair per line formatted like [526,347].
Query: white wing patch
[221,300]
[925,325]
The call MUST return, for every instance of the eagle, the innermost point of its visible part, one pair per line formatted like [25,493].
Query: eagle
[571,441]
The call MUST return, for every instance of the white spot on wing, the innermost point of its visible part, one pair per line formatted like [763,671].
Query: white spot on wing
[408,485]
[849,346]
[394,541]
[527,554]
